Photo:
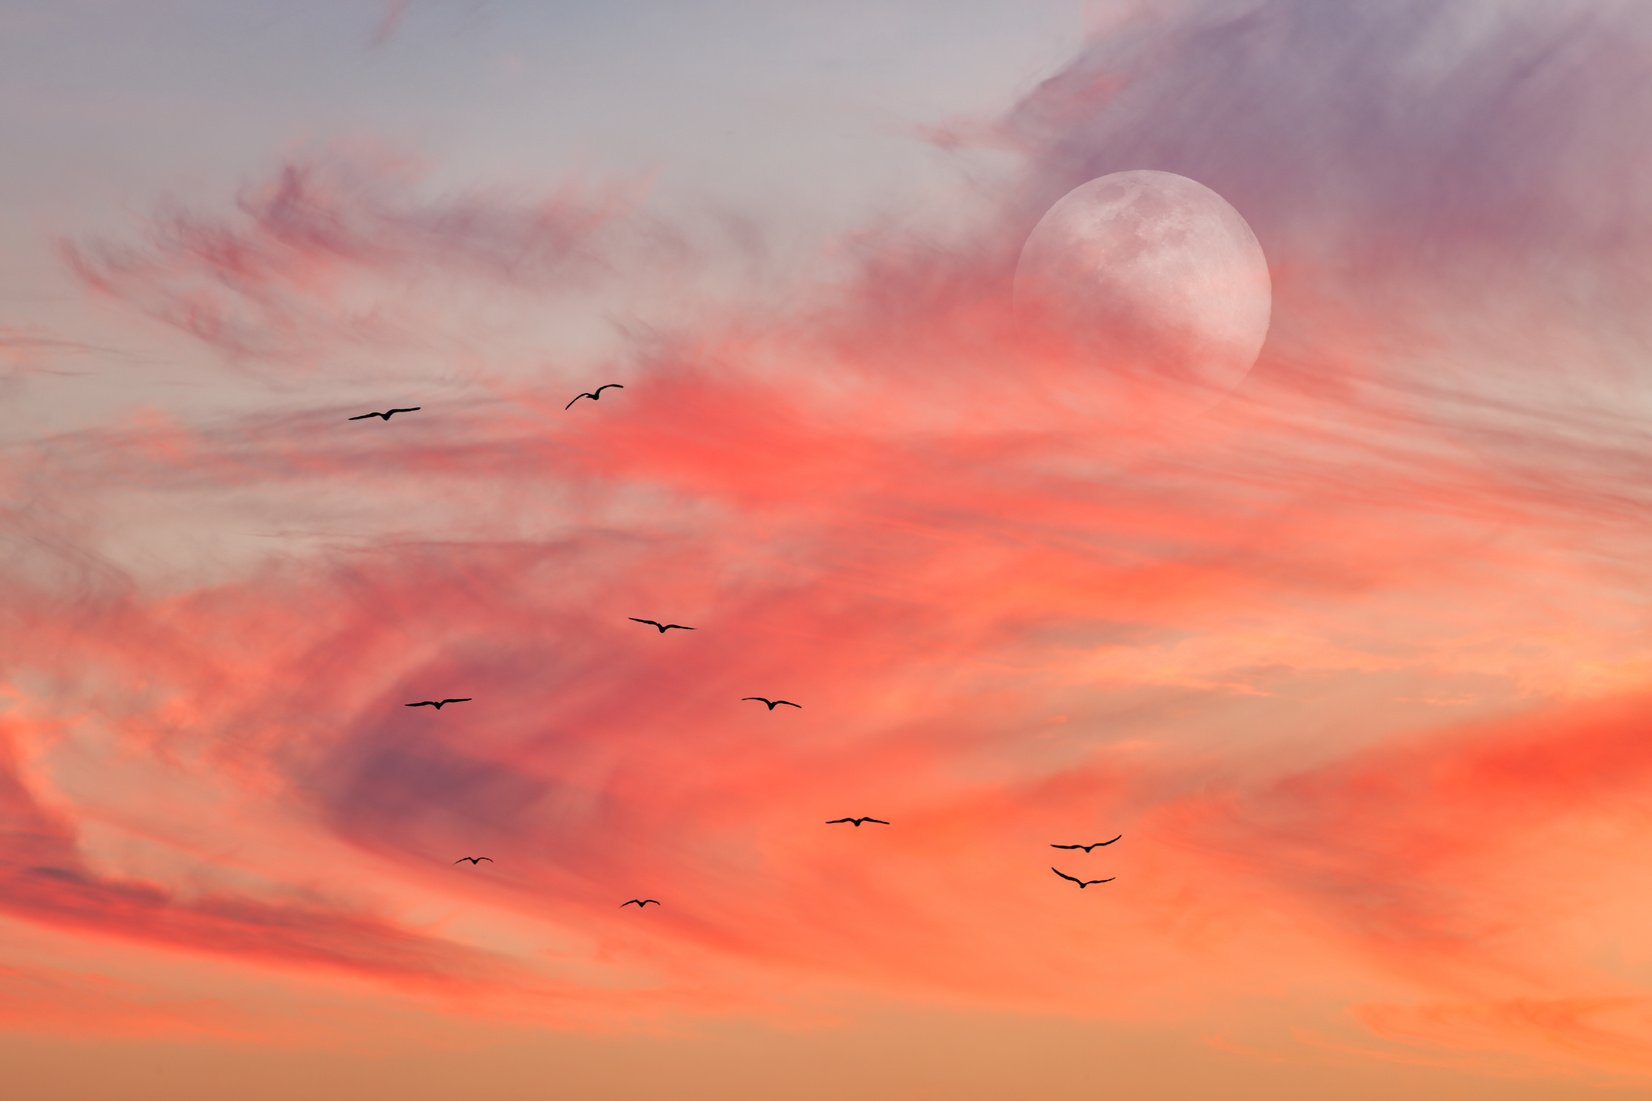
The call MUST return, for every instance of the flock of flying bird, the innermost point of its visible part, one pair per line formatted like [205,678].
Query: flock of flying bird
[642,903]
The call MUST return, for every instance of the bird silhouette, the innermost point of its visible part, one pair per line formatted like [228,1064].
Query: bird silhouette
[640,902]
[664,627]
[594,395]
[474,859]
[857,821]
[437,704]
[387,416]
[772,703]
[1086,848]
[1082,883]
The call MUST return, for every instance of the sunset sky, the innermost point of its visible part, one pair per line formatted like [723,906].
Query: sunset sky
[1356,655]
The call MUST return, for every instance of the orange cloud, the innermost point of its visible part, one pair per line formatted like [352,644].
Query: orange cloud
[1015,616]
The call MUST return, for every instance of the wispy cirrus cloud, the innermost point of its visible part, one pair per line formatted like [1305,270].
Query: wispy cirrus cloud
[48,881]
[1553,1033]
[337,247]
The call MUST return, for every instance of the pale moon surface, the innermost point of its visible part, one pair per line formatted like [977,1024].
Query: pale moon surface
[1152,278]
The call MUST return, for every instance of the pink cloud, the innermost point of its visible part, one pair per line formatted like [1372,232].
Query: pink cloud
[319,252]
[47,881]
[1014,615]
[391,14]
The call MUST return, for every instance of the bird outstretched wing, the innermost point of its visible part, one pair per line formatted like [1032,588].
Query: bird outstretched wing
[1064,875]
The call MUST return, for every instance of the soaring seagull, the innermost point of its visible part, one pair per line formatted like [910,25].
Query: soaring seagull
[437,704]
[639,902]
[772,703]
[1082,883]
[594,395]
[474,859]
[387,416]
[857,821]
[664,627]
[1086,848]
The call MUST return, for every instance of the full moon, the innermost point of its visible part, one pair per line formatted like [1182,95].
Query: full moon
[1152,279]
